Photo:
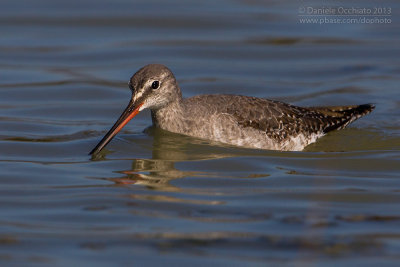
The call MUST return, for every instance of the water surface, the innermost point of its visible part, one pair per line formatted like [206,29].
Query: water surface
[155,197]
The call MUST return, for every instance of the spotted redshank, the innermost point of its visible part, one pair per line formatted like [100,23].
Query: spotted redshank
[232,119]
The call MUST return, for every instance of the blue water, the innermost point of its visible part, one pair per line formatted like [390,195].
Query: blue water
[157,198]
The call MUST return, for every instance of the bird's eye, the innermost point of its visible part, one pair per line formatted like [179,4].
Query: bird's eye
[155,84]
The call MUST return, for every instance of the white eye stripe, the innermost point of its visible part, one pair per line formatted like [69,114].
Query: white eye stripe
[139,92]
[138,95]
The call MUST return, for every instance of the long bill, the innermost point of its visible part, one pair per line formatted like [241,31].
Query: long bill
[130,111]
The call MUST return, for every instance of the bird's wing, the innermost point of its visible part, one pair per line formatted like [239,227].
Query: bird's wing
[277,119]
[280,120]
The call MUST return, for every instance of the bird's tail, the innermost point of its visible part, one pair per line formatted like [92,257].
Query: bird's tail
[339,117]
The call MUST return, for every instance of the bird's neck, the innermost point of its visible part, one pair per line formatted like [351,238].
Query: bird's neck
[171,116]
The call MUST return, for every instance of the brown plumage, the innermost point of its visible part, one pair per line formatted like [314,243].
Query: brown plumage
[232,119]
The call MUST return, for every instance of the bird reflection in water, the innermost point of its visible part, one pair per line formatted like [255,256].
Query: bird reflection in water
[168,149]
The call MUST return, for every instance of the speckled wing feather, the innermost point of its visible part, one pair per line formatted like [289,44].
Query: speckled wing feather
[280,120]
